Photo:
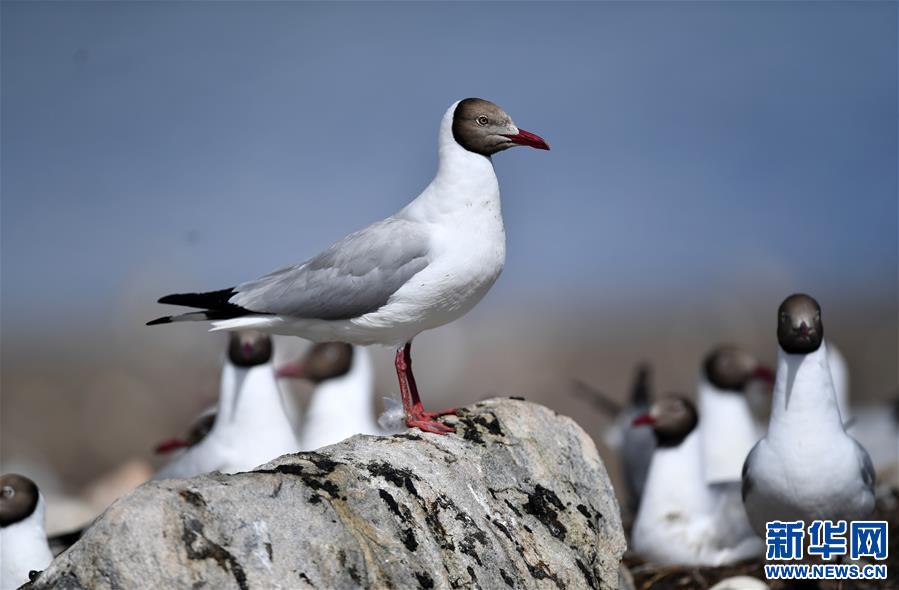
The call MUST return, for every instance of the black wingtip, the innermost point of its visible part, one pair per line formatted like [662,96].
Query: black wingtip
[208,300]
[163,320]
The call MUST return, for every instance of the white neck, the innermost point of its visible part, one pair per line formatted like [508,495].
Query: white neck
[804,397]
[464,180]
[343,406]
[250,401]
[675,480]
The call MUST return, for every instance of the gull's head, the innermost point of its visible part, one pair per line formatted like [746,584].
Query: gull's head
[672,418]
[324,361]
[730,368]
[799,328]
[18,498]
[482,127]
[249,348]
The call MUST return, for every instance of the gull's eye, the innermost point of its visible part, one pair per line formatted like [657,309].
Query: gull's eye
[8,492]
[483,120]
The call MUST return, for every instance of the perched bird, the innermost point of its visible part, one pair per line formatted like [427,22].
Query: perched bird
[728,429]
[23,540]
[423,267]
[682,519]
[342,404]
[250,427]
[806,467]
[633,445]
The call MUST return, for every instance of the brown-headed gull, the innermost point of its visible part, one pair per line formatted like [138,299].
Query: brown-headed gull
[251,426]
[342,403]
[423,267]
[23,540]
[806,467]
[682,519]
[728,429]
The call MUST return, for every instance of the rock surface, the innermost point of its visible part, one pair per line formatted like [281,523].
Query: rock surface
[518,498]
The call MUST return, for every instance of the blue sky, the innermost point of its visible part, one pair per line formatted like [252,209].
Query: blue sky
[201,144]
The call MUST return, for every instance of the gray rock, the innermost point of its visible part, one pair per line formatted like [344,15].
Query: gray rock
[519,498]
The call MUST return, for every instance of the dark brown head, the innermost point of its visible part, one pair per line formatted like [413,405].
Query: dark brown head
[730,368]
[18,498]
[483,128]
[799,327]
[322,362]
[198,431]
[672,418]
[249,348]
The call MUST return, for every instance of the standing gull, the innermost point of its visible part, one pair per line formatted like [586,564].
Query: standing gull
[342,404]
[250,426]
[682,519]
[806,467]
[728,430]
[23,540]
[423,267]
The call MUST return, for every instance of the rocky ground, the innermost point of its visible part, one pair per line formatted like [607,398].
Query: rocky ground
[520,499]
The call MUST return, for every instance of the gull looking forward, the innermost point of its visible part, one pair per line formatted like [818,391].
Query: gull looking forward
[423,267]
[806,467]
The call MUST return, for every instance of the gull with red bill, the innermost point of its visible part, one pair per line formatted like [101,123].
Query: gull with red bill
[418,269]
[682,519]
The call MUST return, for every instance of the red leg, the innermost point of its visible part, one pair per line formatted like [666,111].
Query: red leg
[416,417]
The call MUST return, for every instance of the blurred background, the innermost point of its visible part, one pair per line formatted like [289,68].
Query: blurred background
[707,160]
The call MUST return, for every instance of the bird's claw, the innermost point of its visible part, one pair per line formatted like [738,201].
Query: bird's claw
[426,421]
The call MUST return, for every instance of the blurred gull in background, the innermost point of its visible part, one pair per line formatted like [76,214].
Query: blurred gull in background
[23,540]
[251,427]
[682,519]
[342,403]
[728,429]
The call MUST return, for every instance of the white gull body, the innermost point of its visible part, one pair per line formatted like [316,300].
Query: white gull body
[683,520]
[327,420]
[728,431]
[806,467]
[23,548]
[453,232]
[251,427]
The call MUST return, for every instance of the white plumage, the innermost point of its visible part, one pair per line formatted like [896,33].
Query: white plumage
[251,426]
[23,548]
[806,467]
[682,520]
[341,406]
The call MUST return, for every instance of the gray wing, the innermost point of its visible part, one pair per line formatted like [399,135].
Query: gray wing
[867,465]
[355,276]
[747,482]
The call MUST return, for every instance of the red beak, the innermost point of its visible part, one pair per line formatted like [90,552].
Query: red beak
[172,444]
[765,374]
[527,138]
[294,370]
[644,420]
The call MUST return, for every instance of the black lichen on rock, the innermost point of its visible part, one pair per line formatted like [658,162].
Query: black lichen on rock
[514,504]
